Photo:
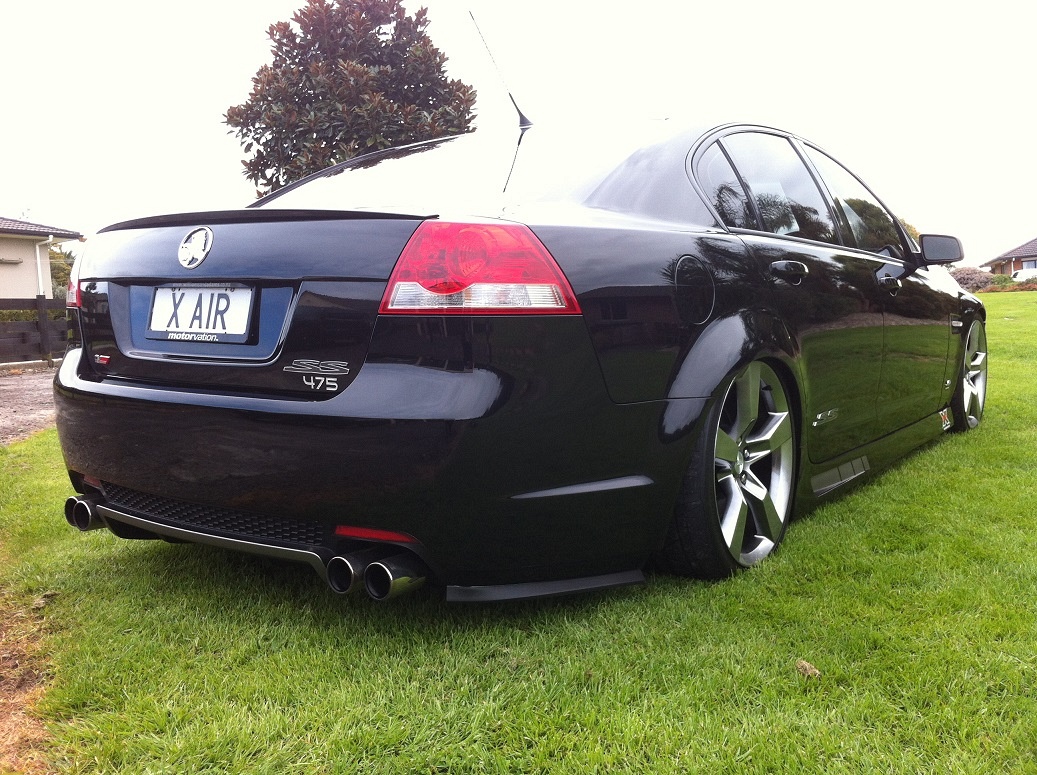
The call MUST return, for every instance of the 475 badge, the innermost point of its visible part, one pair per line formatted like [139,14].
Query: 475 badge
[319,375]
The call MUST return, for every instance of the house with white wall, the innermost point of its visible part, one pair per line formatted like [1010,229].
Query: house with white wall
[25,258]
[1022,257]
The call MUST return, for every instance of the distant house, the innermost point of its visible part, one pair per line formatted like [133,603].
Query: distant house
[24,258]
[1022,257]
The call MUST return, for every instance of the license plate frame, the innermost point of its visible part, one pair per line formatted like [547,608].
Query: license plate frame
[209,313]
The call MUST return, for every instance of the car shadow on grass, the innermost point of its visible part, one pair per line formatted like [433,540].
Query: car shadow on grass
[245,587]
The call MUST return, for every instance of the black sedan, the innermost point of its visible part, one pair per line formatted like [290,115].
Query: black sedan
[514,364]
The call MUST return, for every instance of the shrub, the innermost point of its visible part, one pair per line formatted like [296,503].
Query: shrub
[1003,282]
[1010,287]
[972,279]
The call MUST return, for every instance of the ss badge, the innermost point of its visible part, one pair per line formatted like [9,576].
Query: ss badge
[319,375]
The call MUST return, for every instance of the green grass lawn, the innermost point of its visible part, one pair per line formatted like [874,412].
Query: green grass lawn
[914,597]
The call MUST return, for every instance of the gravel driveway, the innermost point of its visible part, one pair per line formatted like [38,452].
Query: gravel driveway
[26,402]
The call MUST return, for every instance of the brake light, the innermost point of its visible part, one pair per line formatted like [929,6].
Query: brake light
[477,268]
[371,534]
[72,297]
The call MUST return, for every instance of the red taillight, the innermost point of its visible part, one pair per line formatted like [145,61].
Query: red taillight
[477,268]
[72,297]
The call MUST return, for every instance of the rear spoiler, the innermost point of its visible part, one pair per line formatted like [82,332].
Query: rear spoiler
[258,216]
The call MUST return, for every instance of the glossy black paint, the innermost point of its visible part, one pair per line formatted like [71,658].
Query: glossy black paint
[523,455]
[457,455]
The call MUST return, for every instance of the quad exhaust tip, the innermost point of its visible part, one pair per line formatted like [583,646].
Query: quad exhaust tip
[384,575]
[346,572]
[81,512]
[394,576]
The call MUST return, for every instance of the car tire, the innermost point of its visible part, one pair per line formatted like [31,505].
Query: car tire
[970,395]
[736,499]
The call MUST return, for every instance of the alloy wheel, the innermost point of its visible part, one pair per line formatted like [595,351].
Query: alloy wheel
[754,464]
[974,374]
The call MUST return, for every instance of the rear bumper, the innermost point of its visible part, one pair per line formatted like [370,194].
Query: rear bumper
[509,487]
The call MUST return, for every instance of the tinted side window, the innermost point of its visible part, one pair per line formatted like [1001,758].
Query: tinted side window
[724,191]
[870,223]
[784,193]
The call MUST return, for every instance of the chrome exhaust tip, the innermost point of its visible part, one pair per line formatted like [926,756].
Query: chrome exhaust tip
[81,512]
[393,576]
[345,572]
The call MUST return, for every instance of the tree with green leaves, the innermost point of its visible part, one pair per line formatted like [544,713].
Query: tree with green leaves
[912,232]
[61,261]
[347,77]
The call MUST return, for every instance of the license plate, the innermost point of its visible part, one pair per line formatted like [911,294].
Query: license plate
[201,313]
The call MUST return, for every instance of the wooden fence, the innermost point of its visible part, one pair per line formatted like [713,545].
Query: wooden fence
[41,337]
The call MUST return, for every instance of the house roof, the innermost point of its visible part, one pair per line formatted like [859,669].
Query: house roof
[1026,250]
[26,229]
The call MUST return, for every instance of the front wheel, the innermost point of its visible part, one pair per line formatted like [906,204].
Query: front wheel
[971,392]
[736,498]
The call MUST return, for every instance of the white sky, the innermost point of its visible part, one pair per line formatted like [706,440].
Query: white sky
[113,109]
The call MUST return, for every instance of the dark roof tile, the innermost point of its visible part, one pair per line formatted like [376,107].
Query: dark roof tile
[1029,250]
[26,229]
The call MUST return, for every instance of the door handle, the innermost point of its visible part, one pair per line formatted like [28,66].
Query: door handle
[793,271]
[890,283]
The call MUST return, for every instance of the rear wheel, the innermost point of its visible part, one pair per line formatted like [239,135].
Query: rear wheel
[736,499]
[971,393]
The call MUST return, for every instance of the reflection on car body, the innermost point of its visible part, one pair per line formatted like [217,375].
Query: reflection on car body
[540,370]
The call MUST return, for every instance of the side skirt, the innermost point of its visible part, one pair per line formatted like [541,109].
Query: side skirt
[822,481]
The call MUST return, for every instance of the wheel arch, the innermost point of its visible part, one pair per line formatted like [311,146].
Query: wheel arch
[690,544]
[734,340]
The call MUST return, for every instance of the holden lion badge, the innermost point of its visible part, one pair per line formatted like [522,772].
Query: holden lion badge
[195,247]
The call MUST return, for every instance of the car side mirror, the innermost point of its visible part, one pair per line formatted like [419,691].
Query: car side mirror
[940,249]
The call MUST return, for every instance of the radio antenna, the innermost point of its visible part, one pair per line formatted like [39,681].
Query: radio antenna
[524,122]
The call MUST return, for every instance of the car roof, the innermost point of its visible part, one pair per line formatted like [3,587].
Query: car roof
[632,166]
